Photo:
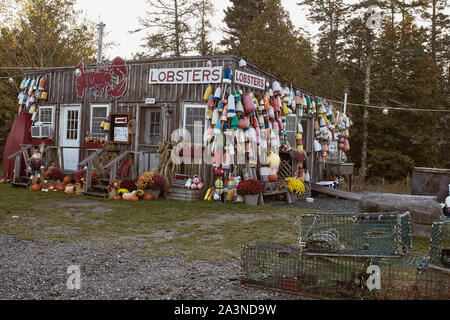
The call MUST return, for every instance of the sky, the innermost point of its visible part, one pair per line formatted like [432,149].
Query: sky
[119,20]
[123,18]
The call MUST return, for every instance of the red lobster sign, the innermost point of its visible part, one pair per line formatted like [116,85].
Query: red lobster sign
[110,77]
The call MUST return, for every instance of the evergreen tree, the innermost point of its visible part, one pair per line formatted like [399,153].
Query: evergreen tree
[170,32]
[238,18]
[272,44]
[330,15]
[203,11]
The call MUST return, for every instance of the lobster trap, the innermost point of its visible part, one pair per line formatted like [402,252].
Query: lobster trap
[412,278]
[440,242]
[283,268]
[271,265]
[362,235]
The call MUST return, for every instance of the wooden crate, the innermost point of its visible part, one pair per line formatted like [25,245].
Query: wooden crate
[181,194]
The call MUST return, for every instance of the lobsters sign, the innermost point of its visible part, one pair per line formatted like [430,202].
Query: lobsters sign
[186,75]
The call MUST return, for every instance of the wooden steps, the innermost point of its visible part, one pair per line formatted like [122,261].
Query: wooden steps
[336,192]
[100,187]
[23,185]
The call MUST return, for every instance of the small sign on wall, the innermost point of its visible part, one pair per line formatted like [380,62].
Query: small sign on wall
[119,132]
[150,101]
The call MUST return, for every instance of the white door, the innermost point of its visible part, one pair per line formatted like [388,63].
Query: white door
[70,136]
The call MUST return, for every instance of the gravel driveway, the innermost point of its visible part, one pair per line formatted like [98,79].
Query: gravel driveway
[113,270]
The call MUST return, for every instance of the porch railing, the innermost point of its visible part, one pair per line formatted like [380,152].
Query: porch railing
[23,152]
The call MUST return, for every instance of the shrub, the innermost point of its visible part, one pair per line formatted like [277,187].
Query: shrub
[53,174]
[151,180]
[128,184]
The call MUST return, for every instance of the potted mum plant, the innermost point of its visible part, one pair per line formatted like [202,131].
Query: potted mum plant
[250,189]
[153,183]
[296,188]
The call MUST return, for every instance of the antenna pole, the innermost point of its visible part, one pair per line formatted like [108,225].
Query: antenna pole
[101,28]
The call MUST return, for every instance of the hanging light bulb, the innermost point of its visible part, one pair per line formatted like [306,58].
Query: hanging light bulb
[77,72]
[385,111]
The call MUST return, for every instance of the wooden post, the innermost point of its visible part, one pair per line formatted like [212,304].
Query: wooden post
[61,157]
[89,176]
[113,172]
[133,167]
[16,169]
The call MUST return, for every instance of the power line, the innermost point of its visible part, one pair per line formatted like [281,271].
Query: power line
[389,108]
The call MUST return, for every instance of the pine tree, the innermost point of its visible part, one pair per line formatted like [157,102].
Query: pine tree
[203,11]
[272,44]
[170,32]
[330,15]
[238,18]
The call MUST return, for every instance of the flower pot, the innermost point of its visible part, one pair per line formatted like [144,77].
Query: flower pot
[294,197]
[251,200]
[112,193]
[80,189]
[155,193]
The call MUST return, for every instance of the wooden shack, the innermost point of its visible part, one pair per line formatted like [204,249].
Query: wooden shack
[158,98]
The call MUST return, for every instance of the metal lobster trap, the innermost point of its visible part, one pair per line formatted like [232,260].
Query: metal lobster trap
[362,234]
[272,265]
[283,268]
[440,242]
[412,278]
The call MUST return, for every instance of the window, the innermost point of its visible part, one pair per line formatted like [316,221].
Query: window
[291,130]
[98,114]
[193,113]
[46,115]
[150,126]
[72,125]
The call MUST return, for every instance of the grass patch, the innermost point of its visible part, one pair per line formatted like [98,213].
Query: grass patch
[197,231]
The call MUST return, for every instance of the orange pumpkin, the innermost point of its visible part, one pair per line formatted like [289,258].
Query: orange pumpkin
[117,198]
[135,198]
[36,187]
[273,178]
[148,197]
[67,180]
[61,188]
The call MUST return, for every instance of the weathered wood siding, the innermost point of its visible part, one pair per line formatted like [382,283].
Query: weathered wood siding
[61,86]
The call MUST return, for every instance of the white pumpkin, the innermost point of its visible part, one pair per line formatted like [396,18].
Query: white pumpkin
[69,190]
[127,196]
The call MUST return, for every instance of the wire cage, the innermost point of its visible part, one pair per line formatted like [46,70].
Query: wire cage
[271,265]
[363,234]
[283,268]
[412,278]
[440,242]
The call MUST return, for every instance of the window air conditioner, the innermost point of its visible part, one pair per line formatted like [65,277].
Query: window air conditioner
[40,132]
